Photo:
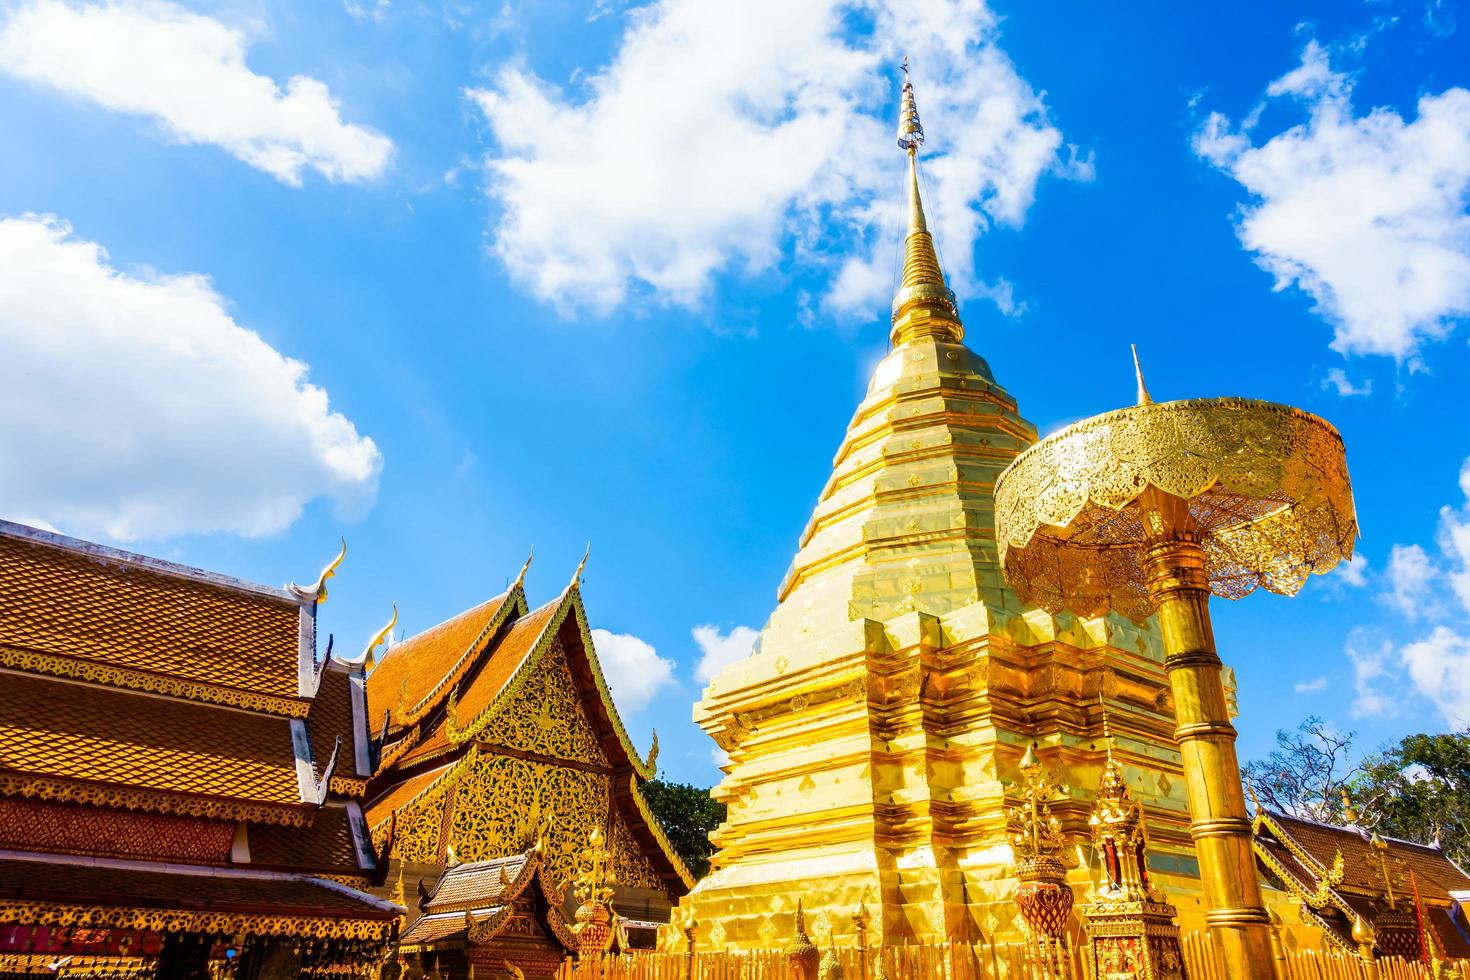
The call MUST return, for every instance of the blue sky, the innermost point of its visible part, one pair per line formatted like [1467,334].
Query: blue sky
[457,279]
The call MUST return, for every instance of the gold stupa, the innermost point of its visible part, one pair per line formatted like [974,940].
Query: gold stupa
[875,732]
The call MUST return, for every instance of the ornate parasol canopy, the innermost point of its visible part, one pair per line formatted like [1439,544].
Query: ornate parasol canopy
[1266,489]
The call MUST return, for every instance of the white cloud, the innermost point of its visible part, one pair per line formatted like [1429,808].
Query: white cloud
[1337,380]
[1353,573]
[720,133]
[1366,214]
[141,409]
[1312,686]
[188,72]
[365,10]
[1440,667]
[1371,659]
[1454,541]
[719,650]
[634,670]
[1411,577]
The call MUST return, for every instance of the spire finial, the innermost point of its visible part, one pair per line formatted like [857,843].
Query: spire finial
[1107,730]
[369,655]
[1143,396]
[577,575]
[923,306]
[521,575]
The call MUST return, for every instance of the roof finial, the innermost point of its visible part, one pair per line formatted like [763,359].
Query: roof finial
[521,575]
[577,575]
[368,659]
[1143,396]
[317,591]
[923,306]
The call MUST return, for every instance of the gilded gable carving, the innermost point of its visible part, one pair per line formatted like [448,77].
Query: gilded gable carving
[500,802]
[543,714]
[630,866]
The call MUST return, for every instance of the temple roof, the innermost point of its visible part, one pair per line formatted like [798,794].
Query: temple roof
[63,739]
[1339,873]
[78,609]
[510,646]
[1317,844]
[415,675]
[471,901]
[131,894]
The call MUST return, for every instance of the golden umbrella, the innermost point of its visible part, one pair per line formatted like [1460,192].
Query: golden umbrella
[1149,509]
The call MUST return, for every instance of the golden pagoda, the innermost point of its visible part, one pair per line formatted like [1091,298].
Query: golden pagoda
[875,732]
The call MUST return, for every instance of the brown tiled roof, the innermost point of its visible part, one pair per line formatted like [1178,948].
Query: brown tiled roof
[484,686]
[475,885]
[68,599]
[507,657]
[330,716]
[52,729]
[325,846]
[432,928]
[411,670]
[381,809]
[80,883]
[1437,874]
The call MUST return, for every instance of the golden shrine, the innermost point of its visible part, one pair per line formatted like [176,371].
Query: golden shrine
[873,733]
[501,744]
[180,775]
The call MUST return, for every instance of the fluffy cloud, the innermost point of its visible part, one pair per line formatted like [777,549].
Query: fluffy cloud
[721,133]
[187,71]
[1372,659]
[1312,686]
[634,670]
[1365,213]
[1411,577]
[1337,380]
[142,410]
[1440,667]
[1424,586]
[718,650]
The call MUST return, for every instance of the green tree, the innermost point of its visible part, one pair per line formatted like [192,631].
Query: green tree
[1307,772]
[1419,790]
[687,814]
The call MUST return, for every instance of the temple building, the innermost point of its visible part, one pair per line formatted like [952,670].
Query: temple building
[180,775]
[1361,889]
[874,731]
[501,750]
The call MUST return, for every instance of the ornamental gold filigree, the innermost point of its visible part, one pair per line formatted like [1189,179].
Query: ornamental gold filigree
[175,920]
[542,713]
[1267,489]
[629,864]
[153,683]
[37,788]
[501,801]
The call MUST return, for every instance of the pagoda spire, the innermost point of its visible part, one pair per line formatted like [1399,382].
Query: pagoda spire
[923,306]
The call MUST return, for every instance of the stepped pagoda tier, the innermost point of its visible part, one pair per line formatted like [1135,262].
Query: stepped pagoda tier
[873,733]
[180,776]
[499,731]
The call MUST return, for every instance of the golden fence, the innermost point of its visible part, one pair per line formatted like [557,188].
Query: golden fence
[966,961]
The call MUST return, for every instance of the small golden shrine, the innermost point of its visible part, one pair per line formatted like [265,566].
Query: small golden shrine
[1359,887]
[498,731]
[486,916]
[180,776]
[1130,927]
[872,734]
